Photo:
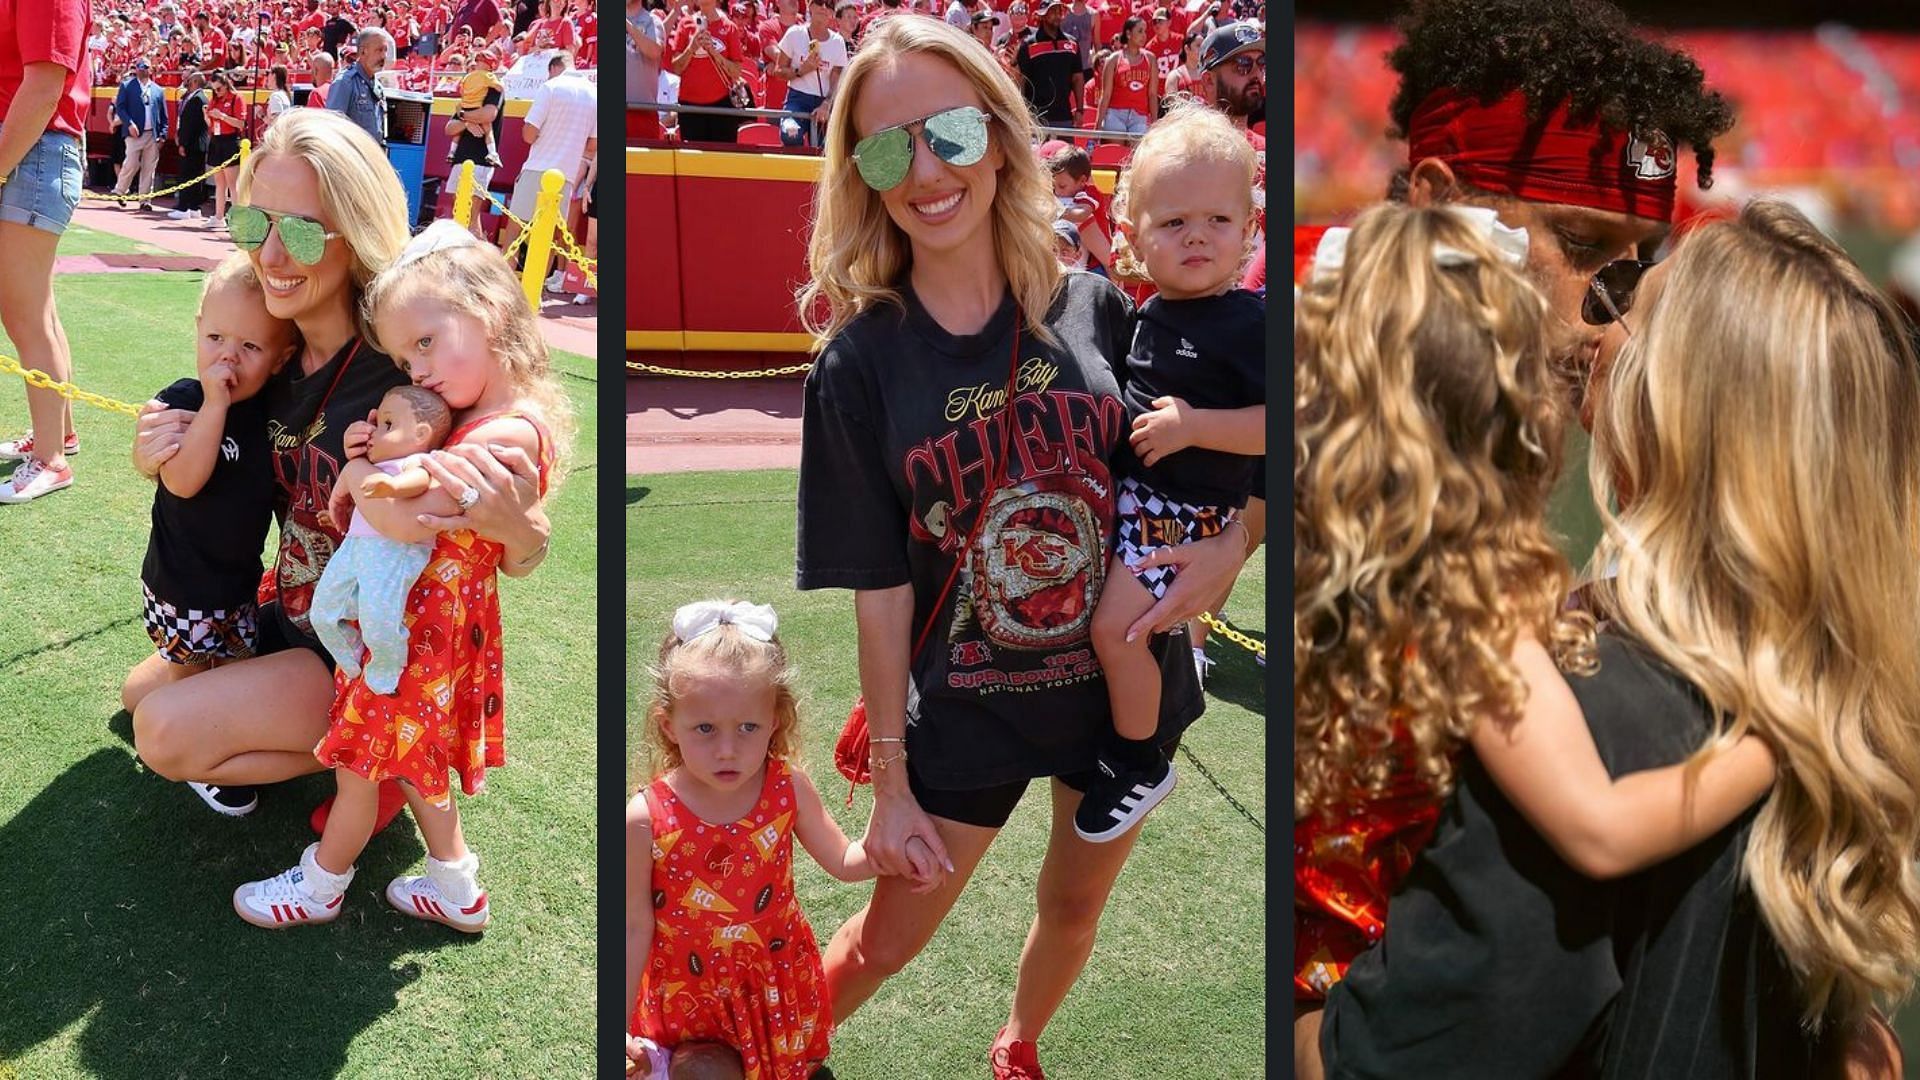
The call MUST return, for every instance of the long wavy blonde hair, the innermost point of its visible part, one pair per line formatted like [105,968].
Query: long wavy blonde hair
[1755,465]
[359,190]
[1427,437]
[474,278]
[858,257]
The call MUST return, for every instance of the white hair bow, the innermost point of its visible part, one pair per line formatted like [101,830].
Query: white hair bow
[757,621]
[1510,243]
[443,235]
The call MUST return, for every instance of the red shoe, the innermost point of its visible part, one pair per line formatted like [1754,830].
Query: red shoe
[1015,1060]
[392,801]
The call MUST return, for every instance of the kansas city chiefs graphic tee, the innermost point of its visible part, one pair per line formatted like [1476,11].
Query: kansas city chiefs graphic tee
[901,453]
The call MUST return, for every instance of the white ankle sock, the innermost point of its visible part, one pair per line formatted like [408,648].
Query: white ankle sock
[322,884]
[459,880]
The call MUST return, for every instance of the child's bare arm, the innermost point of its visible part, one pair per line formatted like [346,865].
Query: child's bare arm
[1548,765]
[186,472]
[639,894]
[1174,425]
[405,484]
[822,837]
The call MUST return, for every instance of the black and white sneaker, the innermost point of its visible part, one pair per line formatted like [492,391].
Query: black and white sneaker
[1120,797]
[236,800]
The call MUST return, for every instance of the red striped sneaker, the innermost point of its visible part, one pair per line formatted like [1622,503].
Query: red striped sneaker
[21,449]
[305,893]
[429,895]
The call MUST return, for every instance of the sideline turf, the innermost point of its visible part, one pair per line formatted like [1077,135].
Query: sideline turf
[120,955]
[1178,979]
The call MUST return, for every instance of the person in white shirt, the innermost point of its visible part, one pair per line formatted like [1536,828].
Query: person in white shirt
[560,130]
[812,56]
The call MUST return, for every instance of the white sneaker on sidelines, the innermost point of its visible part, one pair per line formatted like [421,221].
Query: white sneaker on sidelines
[33,479]
[438,894]
[304,893]
[21,449]
[582,298]
[556,280]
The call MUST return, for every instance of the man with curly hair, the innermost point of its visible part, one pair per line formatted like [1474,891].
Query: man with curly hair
[1558,115]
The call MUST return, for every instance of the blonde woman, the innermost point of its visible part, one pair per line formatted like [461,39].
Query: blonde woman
[934,291]
[320,211]
[1753,445]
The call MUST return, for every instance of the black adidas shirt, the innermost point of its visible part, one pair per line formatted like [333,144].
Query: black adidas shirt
[204,552]
[901,431]
[1210,352]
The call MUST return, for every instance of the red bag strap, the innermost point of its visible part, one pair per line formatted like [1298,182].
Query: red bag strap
[993,477]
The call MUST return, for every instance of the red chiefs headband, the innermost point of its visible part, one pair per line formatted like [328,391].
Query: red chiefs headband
[1496,148]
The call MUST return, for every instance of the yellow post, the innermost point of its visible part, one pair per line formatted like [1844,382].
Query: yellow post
[546,214]
[246,149]
[463,196]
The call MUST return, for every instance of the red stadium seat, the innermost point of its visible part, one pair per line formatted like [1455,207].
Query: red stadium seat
[1111,155]
[759,135]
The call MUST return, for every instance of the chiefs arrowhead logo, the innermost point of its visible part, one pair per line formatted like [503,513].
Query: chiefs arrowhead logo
[1650,157]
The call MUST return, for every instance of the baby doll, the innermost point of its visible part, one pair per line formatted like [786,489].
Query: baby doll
[368,579]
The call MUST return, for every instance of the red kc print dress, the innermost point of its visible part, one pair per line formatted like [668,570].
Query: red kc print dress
[1345,868]
[733,960]
[446,713]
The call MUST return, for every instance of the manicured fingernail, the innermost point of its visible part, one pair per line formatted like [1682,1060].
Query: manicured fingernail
[1131,634]
[422,519]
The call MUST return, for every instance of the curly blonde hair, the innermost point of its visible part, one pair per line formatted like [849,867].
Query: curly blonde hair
[732,654]
[475,279]
[1427,438]
[1757,437]
[857,257]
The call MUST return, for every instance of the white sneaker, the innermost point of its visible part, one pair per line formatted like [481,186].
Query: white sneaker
[33,479]
[582,298]
[21,449]
[305,893]
[435,895]
[230,799]
[556,280]
[184,215]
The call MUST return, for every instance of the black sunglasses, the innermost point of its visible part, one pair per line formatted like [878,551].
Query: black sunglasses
[1610,293]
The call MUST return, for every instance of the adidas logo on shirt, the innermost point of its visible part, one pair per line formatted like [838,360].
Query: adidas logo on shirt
[1186,350]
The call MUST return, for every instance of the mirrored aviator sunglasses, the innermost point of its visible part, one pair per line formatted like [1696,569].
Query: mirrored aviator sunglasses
[304,238]
[1610,292]
[956,136]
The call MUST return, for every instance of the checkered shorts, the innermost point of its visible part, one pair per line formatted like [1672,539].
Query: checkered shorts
[194,636]
[1149,520]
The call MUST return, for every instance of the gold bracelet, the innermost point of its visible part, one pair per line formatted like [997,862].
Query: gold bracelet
[886,738]
[535,557]
[881,764]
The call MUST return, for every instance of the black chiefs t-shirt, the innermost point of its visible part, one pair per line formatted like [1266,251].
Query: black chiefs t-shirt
[1048,65]
[307,418]
[901,432]
[204,552]
[1209,351]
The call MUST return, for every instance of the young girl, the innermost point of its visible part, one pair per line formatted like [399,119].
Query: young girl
[450,313]
[1430,602]
[718,949]
[1196,395]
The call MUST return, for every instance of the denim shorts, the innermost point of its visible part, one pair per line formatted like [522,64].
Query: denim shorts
[43,191]
[1127,121]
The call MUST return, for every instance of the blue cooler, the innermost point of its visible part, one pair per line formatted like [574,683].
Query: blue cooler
[407,117]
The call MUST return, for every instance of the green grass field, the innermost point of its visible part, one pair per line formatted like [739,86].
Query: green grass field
[1178,982]
[120,955]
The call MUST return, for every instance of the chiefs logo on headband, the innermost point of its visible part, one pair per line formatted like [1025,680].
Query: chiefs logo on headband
[1651,157]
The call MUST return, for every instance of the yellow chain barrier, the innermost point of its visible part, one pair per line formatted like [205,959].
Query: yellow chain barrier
[1258,648]
[767,373]
[40,380]
[152,195]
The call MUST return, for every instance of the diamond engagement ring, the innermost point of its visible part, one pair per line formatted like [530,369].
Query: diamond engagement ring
[468,498]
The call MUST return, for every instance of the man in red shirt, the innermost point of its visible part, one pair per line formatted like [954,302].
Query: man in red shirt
[706,52]
[45,91]
[315,19]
